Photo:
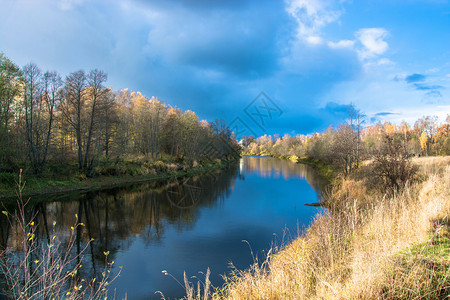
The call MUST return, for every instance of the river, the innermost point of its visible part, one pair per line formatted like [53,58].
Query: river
[208,221]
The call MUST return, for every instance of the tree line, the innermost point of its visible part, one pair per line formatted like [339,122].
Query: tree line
[346,145]
[45,118]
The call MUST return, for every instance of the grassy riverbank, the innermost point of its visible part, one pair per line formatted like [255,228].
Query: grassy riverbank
[375,246]
[66,178]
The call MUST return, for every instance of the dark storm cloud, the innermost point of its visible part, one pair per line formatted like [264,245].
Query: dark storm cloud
[415,78]
[199,4]
[385,113]
[424,87]
[419,82]
[213,57]
[434,94]
[239,43]
[377,117]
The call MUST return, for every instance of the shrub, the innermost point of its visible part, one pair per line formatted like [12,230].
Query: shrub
[392,165]
[160,166]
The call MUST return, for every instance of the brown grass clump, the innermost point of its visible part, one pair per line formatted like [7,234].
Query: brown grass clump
[395,246]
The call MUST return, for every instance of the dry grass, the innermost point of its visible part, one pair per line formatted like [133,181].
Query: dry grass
[395,247]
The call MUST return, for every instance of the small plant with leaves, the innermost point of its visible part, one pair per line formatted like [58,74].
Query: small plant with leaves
[47,270]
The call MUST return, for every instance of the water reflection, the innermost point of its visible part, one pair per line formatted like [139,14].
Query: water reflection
[268,167]
[183,224]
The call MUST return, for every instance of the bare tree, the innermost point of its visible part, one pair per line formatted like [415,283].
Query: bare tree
[81,107]
[355,120]
[72,107]
[39,100]
[390,163]
[343,148]
[95,95]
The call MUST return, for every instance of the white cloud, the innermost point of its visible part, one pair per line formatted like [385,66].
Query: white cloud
[69,4]
[342,44]
[385,62]
[311,16]
[373,42]
[411,115]
[432,70]
[314,40]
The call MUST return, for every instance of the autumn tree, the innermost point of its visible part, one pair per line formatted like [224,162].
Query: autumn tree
[424,142]
[109,123]
[10,88]
[190,133]
[221,136]
[427,125]
[124,129]
[442,138]
[172,131]
[74,110]
[80,106]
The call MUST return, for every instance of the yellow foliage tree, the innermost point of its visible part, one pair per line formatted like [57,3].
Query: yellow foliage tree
[423,141]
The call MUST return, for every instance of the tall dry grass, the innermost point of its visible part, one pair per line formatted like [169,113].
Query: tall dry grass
[373,246]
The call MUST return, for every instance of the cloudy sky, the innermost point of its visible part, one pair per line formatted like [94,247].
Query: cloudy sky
[262,65]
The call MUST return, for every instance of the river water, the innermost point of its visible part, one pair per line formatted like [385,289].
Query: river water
[185,225]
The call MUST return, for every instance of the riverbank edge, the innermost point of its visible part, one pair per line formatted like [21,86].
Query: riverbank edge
[107,182]
[302,270]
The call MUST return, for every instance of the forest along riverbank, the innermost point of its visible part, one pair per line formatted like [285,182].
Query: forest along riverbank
[66,178]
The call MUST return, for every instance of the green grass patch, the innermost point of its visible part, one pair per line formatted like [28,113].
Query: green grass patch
[421,271]
[323,169]
[436,248]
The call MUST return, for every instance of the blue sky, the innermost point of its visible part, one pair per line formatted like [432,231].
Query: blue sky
[311,59]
